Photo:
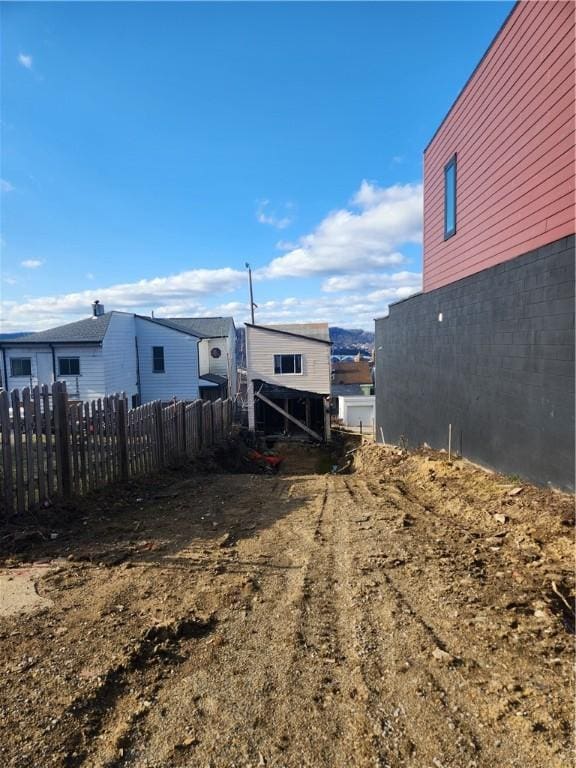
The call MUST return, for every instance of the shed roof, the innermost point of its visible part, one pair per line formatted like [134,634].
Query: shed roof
[315,331]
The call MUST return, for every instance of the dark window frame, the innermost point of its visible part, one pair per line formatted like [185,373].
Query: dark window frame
[156,359]
[20,360]
[68,360]
[278,364]
[452,163]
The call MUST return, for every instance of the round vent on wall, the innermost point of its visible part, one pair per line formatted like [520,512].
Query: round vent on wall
[215,352]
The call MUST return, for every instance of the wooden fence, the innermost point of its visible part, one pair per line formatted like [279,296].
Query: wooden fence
[53,447]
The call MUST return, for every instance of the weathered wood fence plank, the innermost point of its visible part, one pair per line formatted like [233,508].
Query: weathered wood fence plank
[52,447]
[7,464]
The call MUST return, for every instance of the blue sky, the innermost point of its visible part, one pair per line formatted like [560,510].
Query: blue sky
[150,149]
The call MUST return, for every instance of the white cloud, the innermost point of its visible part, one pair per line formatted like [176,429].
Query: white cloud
[372,281]
[350,310]
[32,263]
[272,218]
[349,240]
[180,291]
[285,245]
[25,60]
[5,186]
[348,249]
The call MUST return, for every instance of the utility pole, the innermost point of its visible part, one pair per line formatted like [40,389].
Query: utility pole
[252,305]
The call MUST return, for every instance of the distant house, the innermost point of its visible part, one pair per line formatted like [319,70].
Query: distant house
[353,392]
[357,371]
[288,372]
[147,358]
[486,352]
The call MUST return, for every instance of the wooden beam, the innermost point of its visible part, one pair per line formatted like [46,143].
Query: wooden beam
[289,416]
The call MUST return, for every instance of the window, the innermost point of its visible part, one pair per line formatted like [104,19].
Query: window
[69,366]
[450,198]
[21,366]
[287,363]
[158,359]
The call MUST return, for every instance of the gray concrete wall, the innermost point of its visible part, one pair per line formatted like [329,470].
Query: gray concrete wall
[498,366]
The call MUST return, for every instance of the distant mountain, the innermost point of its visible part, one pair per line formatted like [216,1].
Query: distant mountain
[345,342]
[15,335]
[351,341]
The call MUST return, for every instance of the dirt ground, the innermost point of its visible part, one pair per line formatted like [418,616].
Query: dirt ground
[416,612]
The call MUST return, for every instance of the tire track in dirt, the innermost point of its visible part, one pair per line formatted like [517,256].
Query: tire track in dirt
[436,694]
[407,704]
[234,687]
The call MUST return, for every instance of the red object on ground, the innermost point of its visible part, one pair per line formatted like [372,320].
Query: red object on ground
[273,461]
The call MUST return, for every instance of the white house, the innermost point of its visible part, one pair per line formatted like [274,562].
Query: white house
[217,353]
[147,358]
[288,372]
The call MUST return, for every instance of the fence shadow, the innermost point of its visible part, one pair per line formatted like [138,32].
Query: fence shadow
[166,518]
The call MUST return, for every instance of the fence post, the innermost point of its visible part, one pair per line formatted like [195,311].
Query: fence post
[60,401]
[122,437]
[159,433]
[199,425]
[181,421]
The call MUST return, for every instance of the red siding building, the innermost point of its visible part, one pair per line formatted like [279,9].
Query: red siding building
[511,131]
[486,352]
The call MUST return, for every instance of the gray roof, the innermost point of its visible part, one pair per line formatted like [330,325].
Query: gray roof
[173,326]
[91,330]
[206,327]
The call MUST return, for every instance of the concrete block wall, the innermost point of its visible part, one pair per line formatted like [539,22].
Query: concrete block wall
[493,355]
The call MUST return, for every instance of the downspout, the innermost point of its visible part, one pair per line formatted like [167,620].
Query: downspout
[53,362]
[198,340]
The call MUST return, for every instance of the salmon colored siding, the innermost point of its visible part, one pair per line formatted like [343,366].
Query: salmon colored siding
[512,129]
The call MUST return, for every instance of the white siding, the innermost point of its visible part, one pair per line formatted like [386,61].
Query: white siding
[40,361]
[262,345]
[218,365]
[180,377]
[204,354]
[225,365]
[119,355]
[91,383]
[88,385]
